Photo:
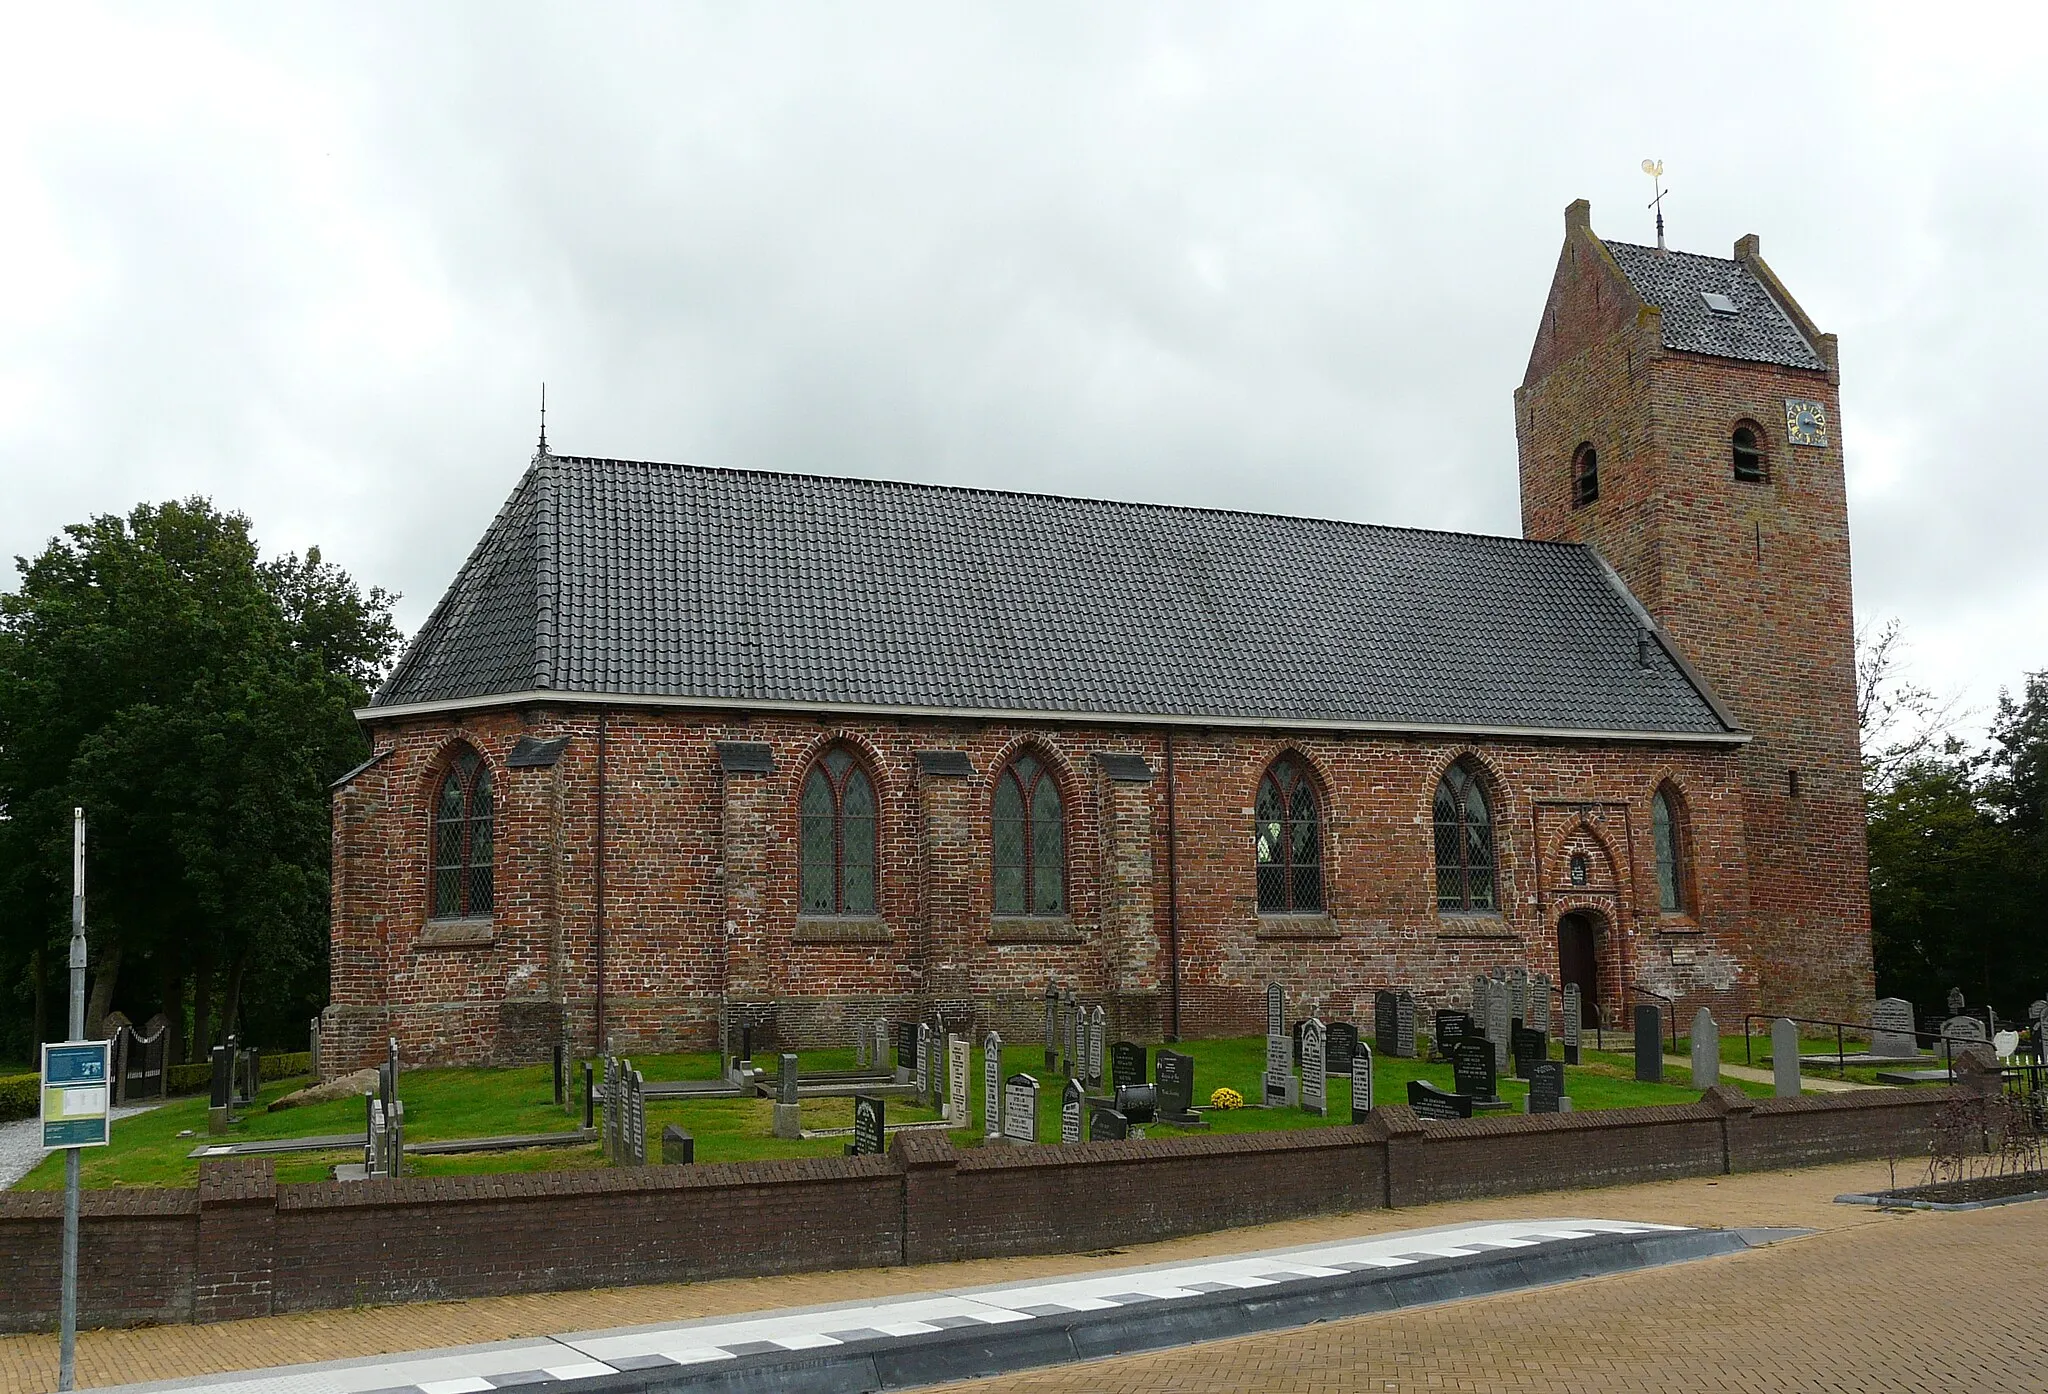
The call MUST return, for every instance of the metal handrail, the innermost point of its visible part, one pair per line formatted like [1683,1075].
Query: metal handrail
[1947,1043]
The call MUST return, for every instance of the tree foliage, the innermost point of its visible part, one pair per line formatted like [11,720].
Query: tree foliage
[1958,840]
[196,700]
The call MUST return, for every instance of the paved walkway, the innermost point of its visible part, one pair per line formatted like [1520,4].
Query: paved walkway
[1853,1297]
[1679,1067]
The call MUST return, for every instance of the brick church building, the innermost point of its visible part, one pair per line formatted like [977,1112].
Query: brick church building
[684,746]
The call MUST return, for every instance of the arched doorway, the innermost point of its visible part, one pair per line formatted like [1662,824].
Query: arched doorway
[1578,961]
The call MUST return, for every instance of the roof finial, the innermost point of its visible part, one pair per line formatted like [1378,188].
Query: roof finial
[1655,169]
[543,418]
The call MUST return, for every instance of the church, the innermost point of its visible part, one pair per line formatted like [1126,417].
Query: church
[683,748]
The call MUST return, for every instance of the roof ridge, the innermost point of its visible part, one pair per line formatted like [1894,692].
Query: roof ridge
[545,555]
[1671,251]
[1204,509]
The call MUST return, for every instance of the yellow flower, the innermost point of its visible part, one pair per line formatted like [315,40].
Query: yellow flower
[1226,1099]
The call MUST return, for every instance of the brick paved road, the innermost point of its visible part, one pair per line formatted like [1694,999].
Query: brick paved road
[1872,1304]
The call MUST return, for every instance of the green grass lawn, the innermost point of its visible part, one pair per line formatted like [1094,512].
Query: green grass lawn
[151,1149]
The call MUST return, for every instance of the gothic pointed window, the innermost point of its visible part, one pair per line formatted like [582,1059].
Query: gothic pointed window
[1288,837]
[1030,840]
[1464,842]
[836,840]
[1669,834]
[462,839]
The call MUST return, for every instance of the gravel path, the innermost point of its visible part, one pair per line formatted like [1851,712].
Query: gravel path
[20,1150]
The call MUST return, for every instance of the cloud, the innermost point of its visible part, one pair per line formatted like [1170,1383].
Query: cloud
[315,262]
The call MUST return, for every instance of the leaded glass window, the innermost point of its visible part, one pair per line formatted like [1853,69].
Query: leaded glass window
[1670,869]
[1289,839]
[462,839]
[836,838]
[1464,842]
[1030,840]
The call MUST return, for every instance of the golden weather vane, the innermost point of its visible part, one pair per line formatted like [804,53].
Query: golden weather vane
[1655,169]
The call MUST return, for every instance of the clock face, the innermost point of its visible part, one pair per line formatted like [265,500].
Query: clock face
[1806,423]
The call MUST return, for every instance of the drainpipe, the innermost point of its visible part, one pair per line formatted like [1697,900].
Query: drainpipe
[1172,903]
[603,733]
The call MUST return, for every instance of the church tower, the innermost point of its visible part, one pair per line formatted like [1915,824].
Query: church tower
[1680,414]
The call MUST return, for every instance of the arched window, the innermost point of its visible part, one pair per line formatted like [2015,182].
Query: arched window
[837,840]
[1464,842]
[462,839]
[1746,445]
[1290,841]
[1030,840]
[1585,475]
[1669,833]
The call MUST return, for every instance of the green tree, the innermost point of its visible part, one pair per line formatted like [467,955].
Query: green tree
[195,700]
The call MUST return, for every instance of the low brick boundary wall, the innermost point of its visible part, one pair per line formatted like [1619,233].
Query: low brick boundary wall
[241,1245]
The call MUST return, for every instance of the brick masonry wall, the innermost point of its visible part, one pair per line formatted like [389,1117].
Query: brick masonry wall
[701,914]
[241,1245]
[1751,578]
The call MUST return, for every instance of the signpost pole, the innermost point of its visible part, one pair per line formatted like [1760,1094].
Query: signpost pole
[67,1340]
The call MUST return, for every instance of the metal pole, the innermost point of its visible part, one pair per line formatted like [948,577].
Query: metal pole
[67,1319]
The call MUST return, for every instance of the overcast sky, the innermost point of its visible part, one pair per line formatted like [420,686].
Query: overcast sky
[316,262]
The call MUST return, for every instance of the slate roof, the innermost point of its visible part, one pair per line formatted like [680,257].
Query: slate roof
[1761,331]
[613,576]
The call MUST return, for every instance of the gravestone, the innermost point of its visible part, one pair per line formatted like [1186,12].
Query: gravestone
[1386,1022]
[906,1051]
[1279,1076]
[1499,1025]
[589,1097]
[1706,1050]
[860,1059]
[2037,1009]
[1451,1028]
[870,1131]
[1176,1079]
[788,1119]
[1052,1026]
[1785,1059]
[1480,1011]
[992,1085]
[1960,1033]
[1955,1001]
[959,1065]
[558,1057]
[1530,1048]
[1138,1103]
[1098,1039]
[678,1148]
[1361,1083]
[1539,1004]
[878,1045]
[1432,1103]
[1072,1027]
[1649,1046]
[1126,1064]
[1518,993]
[922,1069]
[1071,1100]
[1472,1072]
[1107,1124]
[1020,1109]
[1315,1066]
[1404,1024]
[223,1096]
[1341,1039]
[1546,1087]
[1574,1022]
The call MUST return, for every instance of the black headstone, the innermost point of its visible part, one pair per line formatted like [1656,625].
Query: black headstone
[1451,1028]
[1052,1027]
[1472,1070]
[1126,1064]
[1404,1024]
[1342,1044]
[1529,1047]
[1546,1086]
[1105,1124]
[223,1076]
[1428,1101]
[869,1130]
[906,1045]
[1175,1074]
[1386,1022]
[678,1148]
[1139,1103]
[1297,1039]
[1649,1046]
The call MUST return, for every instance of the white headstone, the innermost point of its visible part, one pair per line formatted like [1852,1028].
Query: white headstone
[1891,1029]
[1279,1077]
[1539,1004]
[992,1085]
[1020,1108]
[1785,1059]
[1315,1077]
[959,1058]
[1706,1050]
[1071,1100]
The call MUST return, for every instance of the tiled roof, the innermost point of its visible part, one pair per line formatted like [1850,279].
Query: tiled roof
[1759,330]
[610,576]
